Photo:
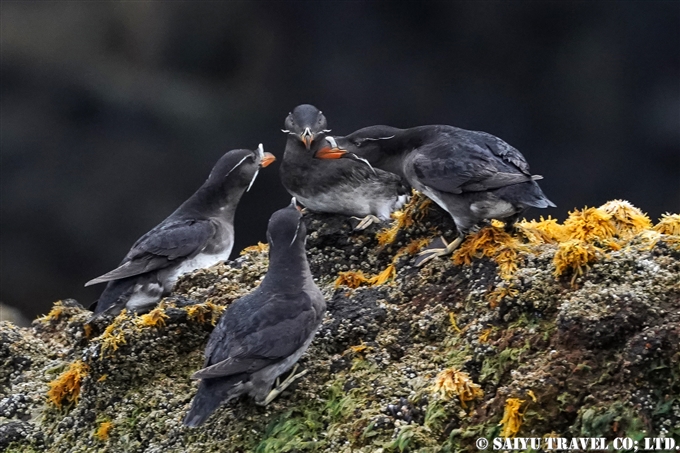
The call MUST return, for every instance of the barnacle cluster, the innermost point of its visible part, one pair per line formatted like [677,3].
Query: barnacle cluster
[516,353]
[354,279]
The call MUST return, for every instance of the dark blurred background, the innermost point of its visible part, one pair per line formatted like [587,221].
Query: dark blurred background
[114,113]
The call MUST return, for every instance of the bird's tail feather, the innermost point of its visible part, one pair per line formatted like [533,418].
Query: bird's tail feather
[113,298]
[212,393]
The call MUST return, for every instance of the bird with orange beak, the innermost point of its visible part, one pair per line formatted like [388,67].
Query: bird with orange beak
[350,187]
[199,234]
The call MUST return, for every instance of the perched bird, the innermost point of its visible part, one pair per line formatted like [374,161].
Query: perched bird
[474,176]
[198,234]
[263,334]
[350,187]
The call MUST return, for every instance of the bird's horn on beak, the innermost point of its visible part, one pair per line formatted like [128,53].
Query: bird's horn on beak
[293,203]
[307,137]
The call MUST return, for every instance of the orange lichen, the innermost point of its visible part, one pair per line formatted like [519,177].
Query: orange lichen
[388,235]
[574,256]
[204,312]
[626,219]
[512,418]
[388,273]
[497,295]
[66,388]
[103,431]
[669,224]
[353,279]
[494,243]
[87,329]
[545,231]
[257,248]
[415,245]
[415,209]
[102,378]
[358,349]
[589,224]
[484,335]
[452,382]
[112,339]
[155,318]
[532,395]
[54,314]
[454,324]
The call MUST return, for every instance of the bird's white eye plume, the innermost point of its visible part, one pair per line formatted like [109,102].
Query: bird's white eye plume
[373,139]
[297,229]
[237,165]
[326,131]
[354,156]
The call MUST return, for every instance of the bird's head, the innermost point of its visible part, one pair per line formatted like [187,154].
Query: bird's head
[286,227]
[240,167]
[305,123]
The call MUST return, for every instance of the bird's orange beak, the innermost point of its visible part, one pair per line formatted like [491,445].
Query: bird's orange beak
[307,138]
[267,159]
[330,153]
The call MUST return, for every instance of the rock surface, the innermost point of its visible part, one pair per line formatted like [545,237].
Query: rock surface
[536,334]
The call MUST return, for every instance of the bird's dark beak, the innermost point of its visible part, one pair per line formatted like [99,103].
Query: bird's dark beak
[330,153]
[267,159]
[307,137]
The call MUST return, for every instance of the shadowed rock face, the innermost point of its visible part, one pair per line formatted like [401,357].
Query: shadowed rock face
[593,356]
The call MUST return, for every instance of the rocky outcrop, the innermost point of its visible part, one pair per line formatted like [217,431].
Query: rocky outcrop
[567,330]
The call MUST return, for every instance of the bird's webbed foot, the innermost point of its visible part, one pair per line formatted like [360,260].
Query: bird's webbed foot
[280,387]
[438,247]
[366,222]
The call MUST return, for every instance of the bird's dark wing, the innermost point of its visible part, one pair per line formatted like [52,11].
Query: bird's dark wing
[501,149]
[160,247]
[462,166]
[249,340]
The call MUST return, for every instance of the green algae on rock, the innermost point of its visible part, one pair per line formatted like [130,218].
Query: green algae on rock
[573,354]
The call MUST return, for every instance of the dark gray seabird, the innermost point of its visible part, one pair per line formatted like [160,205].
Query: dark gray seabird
[473,175]
[199,234]
[263,334]
[343,186]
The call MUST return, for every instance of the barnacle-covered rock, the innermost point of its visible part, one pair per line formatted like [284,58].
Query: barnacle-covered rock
[558,329]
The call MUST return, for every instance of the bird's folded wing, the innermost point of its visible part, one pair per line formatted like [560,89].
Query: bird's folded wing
[270,334]
[448,172]
[463,167]
[503,150]
[160,247]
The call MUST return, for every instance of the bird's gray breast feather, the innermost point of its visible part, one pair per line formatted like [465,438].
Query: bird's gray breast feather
[160,247]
